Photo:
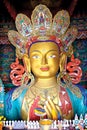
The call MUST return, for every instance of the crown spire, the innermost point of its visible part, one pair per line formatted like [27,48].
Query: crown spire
[42,27]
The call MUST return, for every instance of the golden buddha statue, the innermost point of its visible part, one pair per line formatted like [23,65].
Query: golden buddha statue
[44,46]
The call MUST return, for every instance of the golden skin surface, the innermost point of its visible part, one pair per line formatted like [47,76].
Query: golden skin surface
[44,59]
[44,63]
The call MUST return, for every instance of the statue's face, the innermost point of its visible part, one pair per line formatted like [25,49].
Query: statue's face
[44,59]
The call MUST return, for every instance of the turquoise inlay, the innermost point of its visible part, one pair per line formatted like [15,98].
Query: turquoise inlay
[21,21]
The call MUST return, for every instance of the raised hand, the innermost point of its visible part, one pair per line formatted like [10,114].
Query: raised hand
[51,109]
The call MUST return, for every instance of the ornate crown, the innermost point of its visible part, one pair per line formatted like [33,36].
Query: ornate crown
[42,27]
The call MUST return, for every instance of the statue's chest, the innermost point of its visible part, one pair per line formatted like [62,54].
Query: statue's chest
[37,99]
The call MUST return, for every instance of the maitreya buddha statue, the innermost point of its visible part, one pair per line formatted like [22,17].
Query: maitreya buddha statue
[44,44]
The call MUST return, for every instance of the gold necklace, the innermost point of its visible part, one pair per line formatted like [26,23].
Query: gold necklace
[43,93]
[46,90]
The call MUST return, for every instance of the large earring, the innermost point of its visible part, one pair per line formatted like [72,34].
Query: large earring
[27,79]
[63,77]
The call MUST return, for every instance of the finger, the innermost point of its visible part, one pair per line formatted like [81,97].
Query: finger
[58,109]
[48,106]
[47,111]
[41,106]
[54,115]
[52,108]
[51,102]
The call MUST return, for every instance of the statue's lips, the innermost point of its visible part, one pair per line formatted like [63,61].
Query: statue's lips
[44,68]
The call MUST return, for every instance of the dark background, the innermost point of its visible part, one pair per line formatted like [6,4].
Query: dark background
[75,7]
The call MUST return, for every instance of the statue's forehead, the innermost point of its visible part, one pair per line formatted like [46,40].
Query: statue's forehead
[43,50]
[43,47]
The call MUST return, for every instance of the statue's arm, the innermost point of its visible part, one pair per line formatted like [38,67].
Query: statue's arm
[82,109]
[79,104]
[12,107]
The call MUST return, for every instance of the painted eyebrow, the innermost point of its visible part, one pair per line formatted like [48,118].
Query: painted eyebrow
[39,51]
[35,51]
[52,50]
[47,52]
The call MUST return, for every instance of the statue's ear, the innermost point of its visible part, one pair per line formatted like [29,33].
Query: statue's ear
[63,60]
[26,61]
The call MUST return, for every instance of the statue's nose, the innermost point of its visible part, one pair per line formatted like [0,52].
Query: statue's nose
[44,60]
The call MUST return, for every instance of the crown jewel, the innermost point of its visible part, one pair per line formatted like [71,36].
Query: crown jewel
[42,27]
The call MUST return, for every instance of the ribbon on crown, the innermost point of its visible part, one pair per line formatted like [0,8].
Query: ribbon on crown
[42,27]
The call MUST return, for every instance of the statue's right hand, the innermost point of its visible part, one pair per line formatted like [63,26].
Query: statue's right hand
[51,109]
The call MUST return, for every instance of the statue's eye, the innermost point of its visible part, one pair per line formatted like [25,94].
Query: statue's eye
[52,56]
[36,57]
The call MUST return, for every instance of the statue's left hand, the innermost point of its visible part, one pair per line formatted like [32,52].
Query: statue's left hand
[51,109]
